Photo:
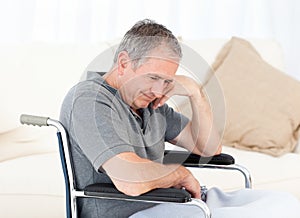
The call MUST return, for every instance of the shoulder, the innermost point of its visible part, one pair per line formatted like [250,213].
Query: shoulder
[92,89]
[165,109]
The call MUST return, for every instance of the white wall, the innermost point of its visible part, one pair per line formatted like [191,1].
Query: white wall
[89,21]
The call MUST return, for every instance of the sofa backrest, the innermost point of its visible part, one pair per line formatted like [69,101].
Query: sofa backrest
[37,76]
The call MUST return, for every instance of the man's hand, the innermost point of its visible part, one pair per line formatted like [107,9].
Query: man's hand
[182,85]
[189,183]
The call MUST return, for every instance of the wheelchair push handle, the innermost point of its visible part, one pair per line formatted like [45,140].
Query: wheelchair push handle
[33,120]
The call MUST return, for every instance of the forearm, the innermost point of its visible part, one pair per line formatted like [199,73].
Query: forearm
[142,180]
[204,133]
[133,175]
[200,135]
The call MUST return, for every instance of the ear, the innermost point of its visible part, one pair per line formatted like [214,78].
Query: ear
[123,62]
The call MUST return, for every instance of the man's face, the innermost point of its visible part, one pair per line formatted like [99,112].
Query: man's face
[148,82]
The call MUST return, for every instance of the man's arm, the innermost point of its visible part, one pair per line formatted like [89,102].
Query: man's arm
[200,135]
[133,175]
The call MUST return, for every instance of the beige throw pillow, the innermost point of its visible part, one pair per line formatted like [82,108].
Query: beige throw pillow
[262,103]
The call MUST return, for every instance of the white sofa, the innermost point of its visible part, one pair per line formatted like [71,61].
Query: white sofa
[35,79]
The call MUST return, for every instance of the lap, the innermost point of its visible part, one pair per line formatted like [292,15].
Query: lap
[171,211]
[246,202]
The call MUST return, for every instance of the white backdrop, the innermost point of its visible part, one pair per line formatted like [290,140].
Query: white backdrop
[89,21]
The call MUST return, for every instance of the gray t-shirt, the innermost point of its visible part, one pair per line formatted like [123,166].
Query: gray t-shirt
[101,125]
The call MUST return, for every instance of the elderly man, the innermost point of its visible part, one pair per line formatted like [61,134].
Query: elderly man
[118,123]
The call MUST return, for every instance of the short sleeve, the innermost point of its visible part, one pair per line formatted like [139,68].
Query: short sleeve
[176,122]
[98,128]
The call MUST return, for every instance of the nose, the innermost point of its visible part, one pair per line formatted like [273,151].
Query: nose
[158,88]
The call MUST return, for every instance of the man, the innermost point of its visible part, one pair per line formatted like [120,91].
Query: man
[118,123]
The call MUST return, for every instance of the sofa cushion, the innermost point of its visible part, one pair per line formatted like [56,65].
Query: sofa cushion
[25,141]
[262,103]
[32,186]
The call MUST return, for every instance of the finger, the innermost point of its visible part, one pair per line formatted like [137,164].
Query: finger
[160,102]
[163,100]
[156,103]
[195,193]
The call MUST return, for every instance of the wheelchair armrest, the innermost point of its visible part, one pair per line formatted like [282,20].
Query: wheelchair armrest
[108,190]
[189,159]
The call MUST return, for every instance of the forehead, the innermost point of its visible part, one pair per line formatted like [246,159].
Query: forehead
[159,65]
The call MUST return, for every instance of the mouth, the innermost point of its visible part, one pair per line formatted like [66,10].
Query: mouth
[149,97]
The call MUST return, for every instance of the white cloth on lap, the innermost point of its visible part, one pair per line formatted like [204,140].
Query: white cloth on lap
[244,203]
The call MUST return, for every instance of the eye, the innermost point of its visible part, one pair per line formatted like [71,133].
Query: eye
[168,81]
[154,78]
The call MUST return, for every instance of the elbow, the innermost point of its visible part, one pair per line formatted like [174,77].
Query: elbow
[219,151]
[212,152]
[208,151]
[132,189]
[133,193]
[212,147]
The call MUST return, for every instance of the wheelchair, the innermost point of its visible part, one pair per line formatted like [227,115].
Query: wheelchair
[109,191]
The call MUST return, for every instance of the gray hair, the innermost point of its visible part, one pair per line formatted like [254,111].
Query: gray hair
[144,37]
